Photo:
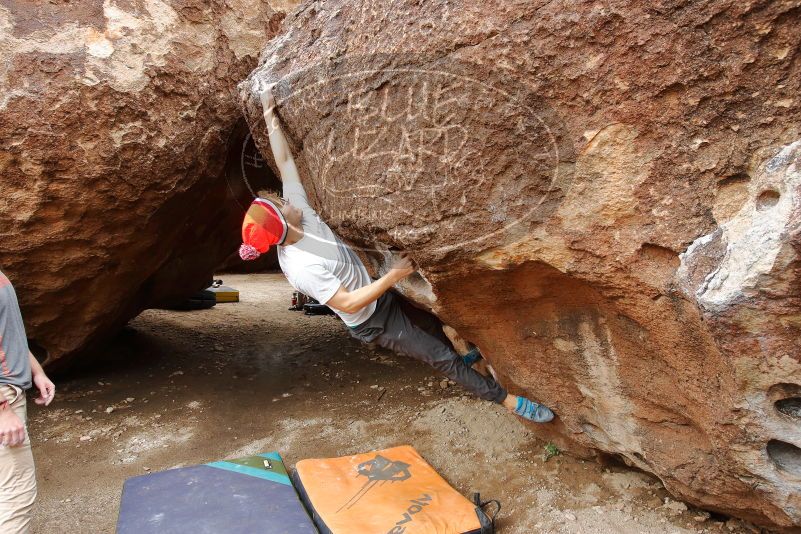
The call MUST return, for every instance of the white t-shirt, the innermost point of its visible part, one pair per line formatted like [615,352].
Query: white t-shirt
[320,262]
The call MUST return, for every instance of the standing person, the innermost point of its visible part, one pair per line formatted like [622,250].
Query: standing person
[318,263]
[19,370]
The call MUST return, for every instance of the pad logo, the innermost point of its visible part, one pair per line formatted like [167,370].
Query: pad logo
[378,470]
[416,507]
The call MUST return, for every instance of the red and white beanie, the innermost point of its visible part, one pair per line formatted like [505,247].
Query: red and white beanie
[264,226]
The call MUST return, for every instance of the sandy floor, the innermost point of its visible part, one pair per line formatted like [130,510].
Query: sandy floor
[190,387]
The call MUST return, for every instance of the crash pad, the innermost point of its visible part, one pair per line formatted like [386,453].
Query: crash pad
[391,491]
[242,496]
[225,293]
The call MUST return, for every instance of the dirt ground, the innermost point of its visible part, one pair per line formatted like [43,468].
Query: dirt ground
[180,388]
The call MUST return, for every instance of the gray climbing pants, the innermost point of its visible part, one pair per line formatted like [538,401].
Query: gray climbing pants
[400,327]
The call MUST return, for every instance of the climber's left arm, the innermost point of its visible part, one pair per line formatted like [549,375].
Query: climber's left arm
[47,390]
[278,143]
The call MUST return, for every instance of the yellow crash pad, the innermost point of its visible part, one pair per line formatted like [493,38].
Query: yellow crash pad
[225,294]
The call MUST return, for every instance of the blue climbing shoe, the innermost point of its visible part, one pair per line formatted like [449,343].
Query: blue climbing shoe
[532,411]
[472,357]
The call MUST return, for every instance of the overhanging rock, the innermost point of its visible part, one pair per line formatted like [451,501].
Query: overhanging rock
[115,119]
[605,199]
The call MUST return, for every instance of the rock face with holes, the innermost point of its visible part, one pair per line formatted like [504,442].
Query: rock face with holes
[605,199]
[115,118]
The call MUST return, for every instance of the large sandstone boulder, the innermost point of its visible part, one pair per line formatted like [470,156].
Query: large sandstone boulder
[115,121]
[605,198]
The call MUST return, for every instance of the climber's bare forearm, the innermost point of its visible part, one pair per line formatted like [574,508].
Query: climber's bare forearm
[278,144]
[353,301]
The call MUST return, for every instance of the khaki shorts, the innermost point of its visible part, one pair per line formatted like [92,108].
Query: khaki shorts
[17,475]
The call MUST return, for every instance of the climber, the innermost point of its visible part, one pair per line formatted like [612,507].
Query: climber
[18,371]
[318,263]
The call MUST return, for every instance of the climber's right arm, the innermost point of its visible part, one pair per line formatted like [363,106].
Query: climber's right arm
[353,301]
[278,143]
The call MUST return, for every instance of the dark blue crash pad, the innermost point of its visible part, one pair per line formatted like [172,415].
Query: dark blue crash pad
[251,495]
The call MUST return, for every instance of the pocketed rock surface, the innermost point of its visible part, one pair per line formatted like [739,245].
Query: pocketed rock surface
[605,198]
[238,379]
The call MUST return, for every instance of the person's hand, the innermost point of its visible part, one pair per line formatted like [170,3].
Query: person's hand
[47,390]
[402,266]
[12,429]
[265,92]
